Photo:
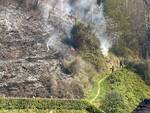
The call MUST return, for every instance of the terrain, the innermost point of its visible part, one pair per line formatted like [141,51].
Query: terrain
[73,56]
[143,107]
[28,66]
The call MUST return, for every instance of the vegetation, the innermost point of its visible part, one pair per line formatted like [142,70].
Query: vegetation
[126,90]
[121,93]
[118,92]
[69,111]
[113,103]
[47,104]
[87,44]
[91,92]
[40,111]
[128,29]
[139,67]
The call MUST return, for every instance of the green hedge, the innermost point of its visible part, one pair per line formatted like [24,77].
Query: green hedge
[43,104]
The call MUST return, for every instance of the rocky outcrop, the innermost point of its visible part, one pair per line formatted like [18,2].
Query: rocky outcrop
[29,66]
[144,107]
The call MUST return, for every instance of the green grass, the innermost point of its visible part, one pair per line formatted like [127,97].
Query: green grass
[40,111]
[127,84]
[91,93]
[103,90]
[46,104]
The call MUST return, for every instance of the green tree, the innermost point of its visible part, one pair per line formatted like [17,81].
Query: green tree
[83,38]
[113,103]
[129,29]
[86,43]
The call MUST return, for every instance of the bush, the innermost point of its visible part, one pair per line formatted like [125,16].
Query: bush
[83,38]
[113,103]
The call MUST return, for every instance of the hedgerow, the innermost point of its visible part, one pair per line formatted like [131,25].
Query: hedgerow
[44,104]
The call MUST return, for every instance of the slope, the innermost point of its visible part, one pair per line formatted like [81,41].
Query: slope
[125,87]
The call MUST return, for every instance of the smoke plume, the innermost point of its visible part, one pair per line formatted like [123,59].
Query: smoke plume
[87,11]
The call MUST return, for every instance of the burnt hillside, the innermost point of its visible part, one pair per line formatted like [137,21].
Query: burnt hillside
[28,66]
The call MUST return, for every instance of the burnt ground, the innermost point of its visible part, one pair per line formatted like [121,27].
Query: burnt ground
[28,66]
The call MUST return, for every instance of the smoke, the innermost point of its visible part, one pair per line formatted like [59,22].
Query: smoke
[87,11]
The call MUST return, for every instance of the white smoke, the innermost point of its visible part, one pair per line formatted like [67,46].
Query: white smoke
[87,11]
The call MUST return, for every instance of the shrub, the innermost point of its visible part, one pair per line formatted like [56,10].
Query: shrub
[139,67]
[86,43]
[113,103]
[83,37]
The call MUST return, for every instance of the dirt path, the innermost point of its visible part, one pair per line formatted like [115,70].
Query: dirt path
[98,91]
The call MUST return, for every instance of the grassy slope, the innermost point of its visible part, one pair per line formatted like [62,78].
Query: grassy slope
[129,85]
[97,81]
[92,92]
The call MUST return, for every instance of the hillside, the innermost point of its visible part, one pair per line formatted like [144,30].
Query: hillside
[28,65]
[74,56]
[128,22]
[124,91]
